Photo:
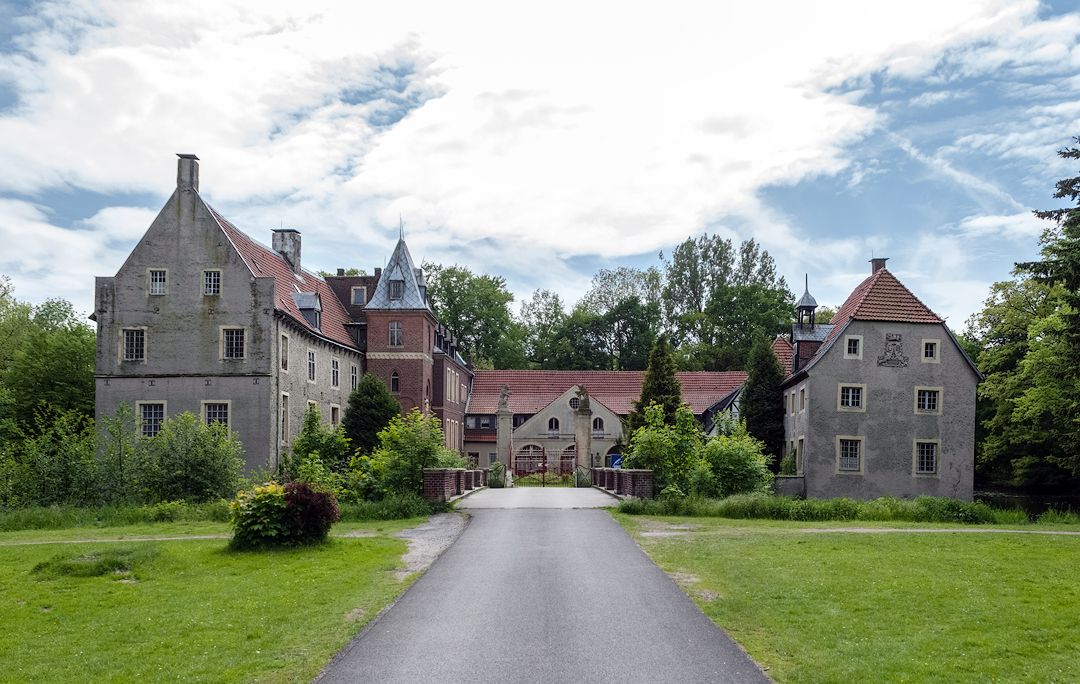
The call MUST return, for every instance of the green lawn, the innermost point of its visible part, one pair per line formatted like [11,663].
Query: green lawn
[188,610]
[847,607]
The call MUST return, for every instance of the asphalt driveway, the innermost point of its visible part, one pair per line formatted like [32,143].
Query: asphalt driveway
[543,595]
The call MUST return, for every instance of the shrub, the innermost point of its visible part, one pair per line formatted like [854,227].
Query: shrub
[732,465]
[311,470]
[327,442]
[670,451]
[406,446]
[187,460]
[1056,517]
[787,464]
[273,515]
[54,463]
[310,512]
[258,517]
[393,507]
[497,475]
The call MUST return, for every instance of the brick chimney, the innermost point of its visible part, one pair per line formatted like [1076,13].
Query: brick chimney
[877,264]
[187,172]
[286,242]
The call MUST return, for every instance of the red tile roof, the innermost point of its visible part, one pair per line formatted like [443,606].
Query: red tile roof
[784,352]
[882,297]
[532,390]
[263,261]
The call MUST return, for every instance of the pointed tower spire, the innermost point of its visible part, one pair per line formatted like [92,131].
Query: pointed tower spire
[401,227]
[806,306]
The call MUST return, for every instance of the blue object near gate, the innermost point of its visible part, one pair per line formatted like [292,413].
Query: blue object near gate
[616,460]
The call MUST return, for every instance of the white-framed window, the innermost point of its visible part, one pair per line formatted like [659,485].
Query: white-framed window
[395,382]
[284,422]
[598,426]
[791,402]
[852,346]
[157,281]
[849,454]
[283,352]
[151,415]
[553,426]
[358,296]
[211,283]
[354,376]
[925,456]
[335,415]
[928,400]
[397,337]
[216,412]
[850,397]
[335,373]
[233,344]
[311,365]
[931,351]
[397,289]
[133,344]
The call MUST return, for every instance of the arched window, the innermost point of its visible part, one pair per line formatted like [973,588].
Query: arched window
[598,425]
[395,383]
[553,425]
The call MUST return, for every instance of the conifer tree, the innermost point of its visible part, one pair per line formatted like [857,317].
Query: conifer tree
[762,402]
[371,406]
[660,386]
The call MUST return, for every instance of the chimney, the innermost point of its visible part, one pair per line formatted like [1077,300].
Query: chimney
[877,264]
[287,243]
[187,172]
[341,272]
[378,273]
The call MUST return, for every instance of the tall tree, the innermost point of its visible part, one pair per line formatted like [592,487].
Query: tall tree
[476,310]
[578,343]
[660,386]
[541,317]
[370,409]
[761,404]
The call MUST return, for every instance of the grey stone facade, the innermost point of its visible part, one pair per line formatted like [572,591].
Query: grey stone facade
[853,414]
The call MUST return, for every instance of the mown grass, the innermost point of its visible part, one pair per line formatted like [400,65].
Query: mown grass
[839,606]
[919,509]
[187,610]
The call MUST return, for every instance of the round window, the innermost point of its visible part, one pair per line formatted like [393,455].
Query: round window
[574,403]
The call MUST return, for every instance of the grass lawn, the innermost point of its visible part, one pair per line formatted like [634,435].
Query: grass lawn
[187,610]
[848,607]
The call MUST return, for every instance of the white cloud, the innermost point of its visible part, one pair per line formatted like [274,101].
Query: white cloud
[530,137]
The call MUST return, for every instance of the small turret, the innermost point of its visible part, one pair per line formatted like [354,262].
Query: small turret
[806,307]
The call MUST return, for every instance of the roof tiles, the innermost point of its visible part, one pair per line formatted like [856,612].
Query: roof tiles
[532,390]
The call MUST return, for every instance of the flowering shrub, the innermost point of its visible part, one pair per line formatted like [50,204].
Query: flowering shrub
[273,515]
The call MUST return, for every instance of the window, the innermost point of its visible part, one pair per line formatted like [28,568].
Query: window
[397,289]
[553,426]
[395,382]
[216,412]
[335,373]
[485,422]
[396,337]
[928,400]
[930,349]
[791,402]
[311,365]
[354,376]
[284,418]
[158,281]
[575,403]
[283,352]
[335,415]
[598,425]
[232,343]
[134,344]
[849,454]
[470,422]
[852,346]
[151,415]
[211,283]
[926,457]
[802,398]
[492,457]
[799,455]
[359,296]
[851,398]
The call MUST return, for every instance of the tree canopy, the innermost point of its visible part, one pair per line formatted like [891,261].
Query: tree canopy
[761,404]
[371,407]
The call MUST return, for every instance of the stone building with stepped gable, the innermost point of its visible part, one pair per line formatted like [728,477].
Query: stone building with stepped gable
[880,400]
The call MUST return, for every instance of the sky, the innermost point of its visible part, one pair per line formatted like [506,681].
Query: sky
[541,143]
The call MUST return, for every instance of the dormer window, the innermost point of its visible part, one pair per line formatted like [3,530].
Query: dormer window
[397,289]
[359,296]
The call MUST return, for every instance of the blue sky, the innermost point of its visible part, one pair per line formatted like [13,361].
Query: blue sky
[538,148]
